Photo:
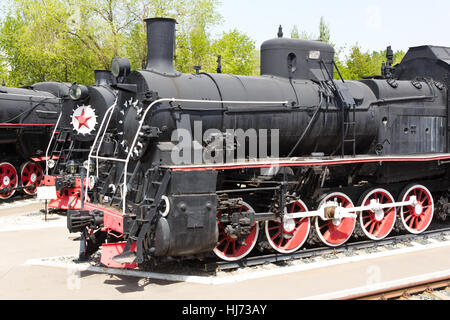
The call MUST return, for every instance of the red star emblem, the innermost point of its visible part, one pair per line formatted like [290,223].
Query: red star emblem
[82,120]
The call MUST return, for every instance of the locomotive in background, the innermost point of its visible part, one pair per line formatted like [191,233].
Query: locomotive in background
[67,151]
[27,119]
[353,158]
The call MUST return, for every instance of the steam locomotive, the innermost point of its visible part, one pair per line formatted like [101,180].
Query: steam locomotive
[27,118]
[68,149]
[192,175]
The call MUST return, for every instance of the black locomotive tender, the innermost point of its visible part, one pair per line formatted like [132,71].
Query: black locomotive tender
[356,158]
[27,119]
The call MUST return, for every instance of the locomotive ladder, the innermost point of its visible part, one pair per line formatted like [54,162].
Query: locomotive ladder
[50,144]
[346,125]
[63,149]
[347,105]
[96,146]
[60,150]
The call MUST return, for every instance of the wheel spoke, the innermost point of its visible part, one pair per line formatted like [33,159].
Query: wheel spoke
[226,247]
[280,242]
[367,224]
[276,235]
[411,222]
[326,225]
[372,227]
[233,249]
[408,218]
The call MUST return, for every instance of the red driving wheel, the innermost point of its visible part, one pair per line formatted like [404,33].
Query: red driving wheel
[229,248]
[31,175]
[417,218]
[335,232]
[290,236]
[377,224]
[8,179]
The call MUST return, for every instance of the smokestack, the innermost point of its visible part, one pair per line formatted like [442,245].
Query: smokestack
[161,45]
[103,78]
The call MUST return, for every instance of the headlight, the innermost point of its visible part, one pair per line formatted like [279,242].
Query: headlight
[89,166]
[120,67]
[77,92]
[51,163]
[72,167]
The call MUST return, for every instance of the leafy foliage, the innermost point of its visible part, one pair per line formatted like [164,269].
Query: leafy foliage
[295,34]
[65,40]
[237,51]
[324,31]
[357,64]
[361,64]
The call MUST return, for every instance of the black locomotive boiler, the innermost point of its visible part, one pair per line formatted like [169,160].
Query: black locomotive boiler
[67,152]
[347,158]
[27,119]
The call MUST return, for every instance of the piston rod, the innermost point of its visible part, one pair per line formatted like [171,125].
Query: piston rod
[331,210]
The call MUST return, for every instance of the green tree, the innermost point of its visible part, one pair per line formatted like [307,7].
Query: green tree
[3,71]
[295,34]
[64,40]
[58,40]
[237,51]
[38,51]
[361,64]
[195,19]
[324,31]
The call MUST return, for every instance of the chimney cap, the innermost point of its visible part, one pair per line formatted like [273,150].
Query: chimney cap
[160,19]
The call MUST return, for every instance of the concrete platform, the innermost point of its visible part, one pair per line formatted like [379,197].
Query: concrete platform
[19,280]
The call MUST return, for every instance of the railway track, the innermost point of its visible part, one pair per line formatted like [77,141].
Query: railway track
[17,201]
[430,289]
[441,234]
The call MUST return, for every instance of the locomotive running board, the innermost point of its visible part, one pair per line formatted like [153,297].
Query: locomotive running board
[310,162]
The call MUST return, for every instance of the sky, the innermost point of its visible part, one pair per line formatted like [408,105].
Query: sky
[372,24]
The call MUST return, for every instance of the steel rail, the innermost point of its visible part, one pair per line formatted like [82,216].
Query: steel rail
[317,252]
[403,290]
